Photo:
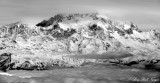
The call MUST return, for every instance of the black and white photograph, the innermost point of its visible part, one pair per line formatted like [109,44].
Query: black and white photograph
[79,41]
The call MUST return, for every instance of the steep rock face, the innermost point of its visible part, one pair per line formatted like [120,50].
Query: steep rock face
[71,34]
[5,61]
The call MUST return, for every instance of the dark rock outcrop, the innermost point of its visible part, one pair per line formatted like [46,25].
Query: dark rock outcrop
[46,23]
[5,61]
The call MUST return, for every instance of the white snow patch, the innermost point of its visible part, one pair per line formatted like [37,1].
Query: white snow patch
[126,26]
[6,74]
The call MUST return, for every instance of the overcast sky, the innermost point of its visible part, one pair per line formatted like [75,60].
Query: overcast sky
[144,13]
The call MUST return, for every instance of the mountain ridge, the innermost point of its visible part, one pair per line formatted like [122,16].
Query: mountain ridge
[71,34]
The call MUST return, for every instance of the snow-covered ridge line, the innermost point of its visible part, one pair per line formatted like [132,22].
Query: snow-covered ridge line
[71,34]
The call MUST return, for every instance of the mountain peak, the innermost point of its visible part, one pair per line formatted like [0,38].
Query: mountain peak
[71,34]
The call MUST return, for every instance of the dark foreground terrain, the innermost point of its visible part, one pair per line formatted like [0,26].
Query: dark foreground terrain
[92,73]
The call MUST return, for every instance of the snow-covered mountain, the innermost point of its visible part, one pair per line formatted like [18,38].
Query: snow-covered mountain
[101,31]
[72,34]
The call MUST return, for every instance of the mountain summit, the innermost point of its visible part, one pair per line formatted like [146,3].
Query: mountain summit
[99,28]
[75,34]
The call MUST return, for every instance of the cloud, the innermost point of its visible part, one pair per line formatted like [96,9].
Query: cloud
[31,21]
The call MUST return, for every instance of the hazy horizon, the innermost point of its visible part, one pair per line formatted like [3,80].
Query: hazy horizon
[144,13]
